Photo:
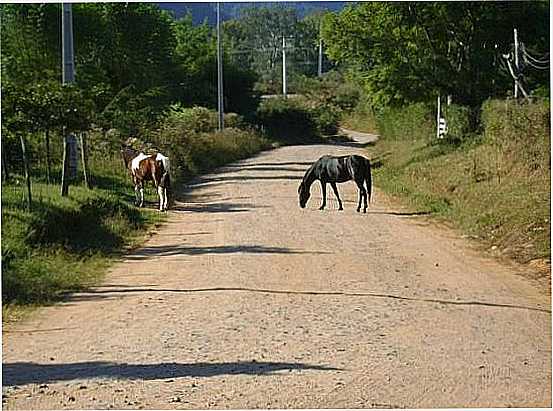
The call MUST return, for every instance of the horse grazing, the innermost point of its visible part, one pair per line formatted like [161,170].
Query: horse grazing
[330,169]
[144,167]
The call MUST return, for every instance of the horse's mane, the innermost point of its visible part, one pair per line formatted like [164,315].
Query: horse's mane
[308,176]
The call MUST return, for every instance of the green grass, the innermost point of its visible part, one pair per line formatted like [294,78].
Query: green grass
[490,191]
[359,121]
[361,118]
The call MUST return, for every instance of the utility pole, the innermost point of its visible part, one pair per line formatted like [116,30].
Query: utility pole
[219,72]
[517,71]
[284,66]
[320,70]
[68,77]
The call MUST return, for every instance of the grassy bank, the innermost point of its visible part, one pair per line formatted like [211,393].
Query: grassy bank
[494,185]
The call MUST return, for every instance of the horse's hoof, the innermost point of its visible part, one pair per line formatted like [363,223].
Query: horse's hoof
[341,209]
[358,209]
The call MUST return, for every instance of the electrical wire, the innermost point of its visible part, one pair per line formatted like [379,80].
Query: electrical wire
[534,59]
[536,66]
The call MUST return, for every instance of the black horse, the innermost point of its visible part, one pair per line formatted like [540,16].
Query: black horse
[330,169]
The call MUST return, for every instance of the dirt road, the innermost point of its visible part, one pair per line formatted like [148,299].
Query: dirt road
[244,300]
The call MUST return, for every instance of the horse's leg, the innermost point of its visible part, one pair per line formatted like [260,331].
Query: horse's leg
[166,199]
[136,194]
[365,199]
[333,185]
[139,189]
[323,189]
[161,198]
[362,195]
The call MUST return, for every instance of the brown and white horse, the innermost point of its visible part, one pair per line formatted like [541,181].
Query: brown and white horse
[143,167]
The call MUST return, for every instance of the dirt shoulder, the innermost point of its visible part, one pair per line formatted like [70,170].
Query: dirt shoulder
[244,300]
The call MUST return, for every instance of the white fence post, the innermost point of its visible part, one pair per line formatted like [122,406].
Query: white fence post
[441,124]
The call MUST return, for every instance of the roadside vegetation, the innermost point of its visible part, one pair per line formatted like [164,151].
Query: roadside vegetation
[64,244]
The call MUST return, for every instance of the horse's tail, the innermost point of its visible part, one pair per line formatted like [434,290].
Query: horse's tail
[368,178]
[165,177]
[165,180]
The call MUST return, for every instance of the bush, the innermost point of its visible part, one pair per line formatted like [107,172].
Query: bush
[330,98]
[458,123]
[189,137]
[330,89]
[413,122]
[361,117]
[198,119]
[327,118]
[210,150]
[288,120]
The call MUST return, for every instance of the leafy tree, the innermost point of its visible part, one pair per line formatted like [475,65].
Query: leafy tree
[408,52]
[196,55]
[30,42]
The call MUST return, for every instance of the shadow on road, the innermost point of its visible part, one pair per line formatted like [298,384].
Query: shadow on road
[276,165]
[249,177]
[214,207]
[352,144]
[111,292]
[168,250]
[20,373]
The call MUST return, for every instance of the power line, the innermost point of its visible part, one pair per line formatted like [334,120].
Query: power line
[534,59]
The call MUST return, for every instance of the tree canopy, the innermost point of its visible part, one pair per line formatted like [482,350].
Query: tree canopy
[413,51]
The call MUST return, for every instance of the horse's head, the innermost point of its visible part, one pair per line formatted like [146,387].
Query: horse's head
[128,154]
[304,194]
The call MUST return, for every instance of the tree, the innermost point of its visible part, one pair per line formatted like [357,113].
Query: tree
[30,42]
[408,52]
[196,56]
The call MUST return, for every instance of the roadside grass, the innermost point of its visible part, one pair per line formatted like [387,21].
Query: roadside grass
[363,122]
[496,193]
[361,118]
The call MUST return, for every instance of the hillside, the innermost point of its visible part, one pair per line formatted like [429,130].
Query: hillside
[207,11]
